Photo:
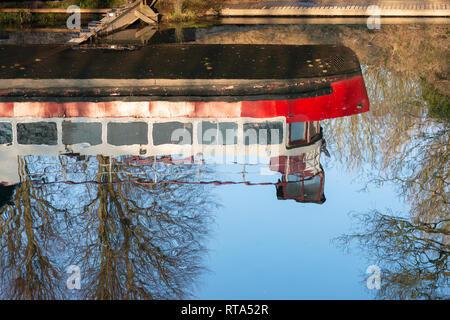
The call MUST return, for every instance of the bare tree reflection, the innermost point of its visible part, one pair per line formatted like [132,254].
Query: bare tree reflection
[413,255]
[408,148]
[397,142]
[28,233]
[421,173]
[144,241]
[132,236]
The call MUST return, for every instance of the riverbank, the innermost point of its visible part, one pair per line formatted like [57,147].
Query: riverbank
[24,20]
[178,11]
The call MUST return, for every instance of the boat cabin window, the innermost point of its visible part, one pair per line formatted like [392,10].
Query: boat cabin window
[301,133]
[314,129]
[263,133]
[312,188]
[297,133]
[293,190]
[127,133]
[37,133]
[212,133]
[172,133]
[294,178]
[306,189]
[5,133]
[81,132]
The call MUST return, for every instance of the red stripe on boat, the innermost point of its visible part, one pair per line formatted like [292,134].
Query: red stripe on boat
[349,97]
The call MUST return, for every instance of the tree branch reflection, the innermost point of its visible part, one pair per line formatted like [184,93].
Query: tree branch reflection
[131,240]
[413,255]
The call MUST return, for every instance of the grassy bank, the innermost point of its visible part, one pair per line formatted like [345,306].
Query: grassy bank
[42,20]
[187,10]
[171,10]
[37,20]
[24,20]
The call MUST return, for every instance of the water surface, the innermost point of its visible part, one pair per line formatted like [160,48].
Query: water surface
[177,224]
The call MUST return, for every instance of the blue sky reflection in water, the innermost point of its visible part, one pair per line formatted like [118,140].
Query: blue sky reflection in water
[264,248]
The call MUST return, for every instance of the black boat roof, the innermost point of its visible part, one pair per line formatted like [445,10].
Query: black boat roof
[177,61]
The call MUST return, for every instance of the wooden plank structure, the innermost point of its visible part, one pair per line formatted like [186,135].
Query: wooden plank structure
[120,18]
[396,8]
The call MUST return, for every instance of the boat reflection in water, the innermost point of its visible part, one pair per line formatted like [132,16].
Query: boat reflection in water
[118,185]
[280,134]
[267,146]
[278,146]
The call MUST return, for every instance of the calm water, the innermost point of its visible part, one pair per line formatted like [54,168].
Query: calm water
[361,196]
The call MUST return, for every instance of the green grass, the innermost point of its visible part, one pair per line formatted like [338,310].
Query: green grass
[23,20]
[184,16]
[96,4]
[182,11]
[15,19]
[27,20]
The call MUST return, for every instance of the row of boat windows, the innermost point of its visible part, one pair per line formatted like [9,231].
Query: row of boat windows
[131,133]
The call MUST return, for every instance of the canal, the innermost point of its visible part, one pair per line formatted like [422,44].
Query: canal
[230,161]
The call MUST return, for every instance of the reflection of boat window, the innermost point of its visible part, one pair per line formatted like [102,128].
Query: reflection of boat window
[303,132]
[172,133]
[223,133]
[312,188]
[81,132]
[263,133]
[38,133]
[6,195]
[5,133]
[297,131]
[121,134]
[294,178]
[293,190]
[303,189]
[314,129]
